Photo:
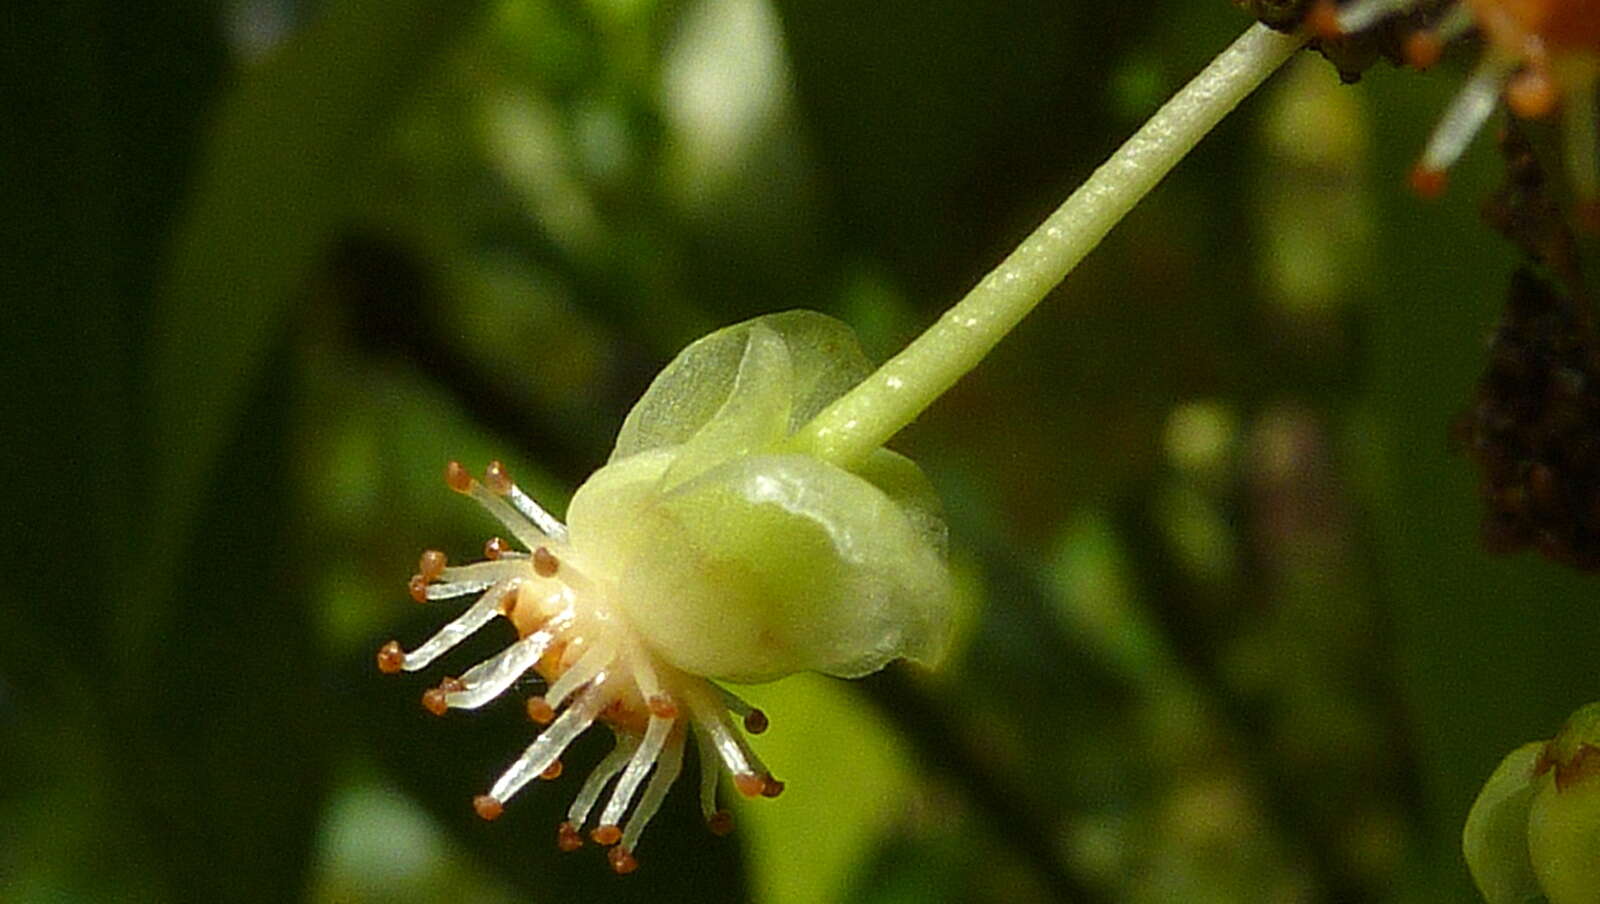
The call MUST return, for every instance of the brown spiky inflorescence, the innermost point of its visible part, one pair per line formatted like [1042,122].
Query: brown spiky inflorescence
[1542,57]
[1534,428]
[596,669]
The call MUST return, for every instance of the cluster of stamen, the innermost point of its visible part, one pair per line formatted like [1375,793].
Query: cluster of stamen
[1542,55]
[595,669]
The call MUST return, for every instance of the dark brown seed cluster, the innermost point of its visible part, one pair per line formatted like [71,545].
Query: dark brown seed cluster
[1534,428]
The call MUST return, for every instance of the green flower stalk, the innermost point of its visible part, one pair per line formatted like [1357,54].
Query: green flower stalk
[906,384]
[749,523]
[1535,828]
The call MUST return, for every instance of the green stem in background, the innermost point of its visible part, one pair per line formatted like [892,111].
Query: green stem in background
[876,409]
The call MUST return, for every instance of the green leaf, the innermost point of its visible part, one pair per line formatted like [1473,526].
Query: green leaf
[286,157]
[222,738]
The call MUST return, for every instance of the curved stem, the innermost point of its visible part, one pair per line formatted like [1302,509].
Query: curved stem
[868,415]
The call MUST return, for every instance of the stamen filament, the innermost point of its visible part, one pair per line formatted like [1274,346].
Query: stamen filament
[667,768]
[1456,22]
[484,573]
[449,590]
[737,704]
[713,721]
[550,744]
[709,774]
[648,682]
[488,679]
[537,514]
[479,614]
[590,664]
[1466,114]
[1360,15]
[655,736]
[607,769]
[524,529]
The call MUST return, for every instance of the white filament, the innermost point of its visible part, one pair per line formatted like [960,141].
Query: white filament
[525,530]
[481,613]
[1363,13]
[655,735]
[535,513]
[481,574]
[588,665]
[708,773]
[488,679]
[713,723]
[547,748]
[578,813]
[667,769]
[1466,113]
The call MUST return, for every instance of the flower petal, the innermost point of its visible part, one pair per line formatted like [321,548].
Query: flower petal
[773,564]
[824,361]
[1495,839]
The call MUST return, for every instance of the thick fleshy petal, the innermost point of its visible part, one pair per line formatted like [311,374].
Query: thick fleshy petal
[774,564]
[602,521]
[901,480]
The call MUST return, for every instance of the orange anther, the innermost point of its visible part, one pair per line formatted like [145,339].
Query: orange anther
[567,837]
[508,602]
[418,588]
[495,548]
[1532,94]
[431,564]
[540,711]
[606,835]
[488,808]
[433,701]
[551,772]
[545,563]
[749,784]
[755,721]
[496,478]
[771,787]
[391,658]
[1428,183]
[720,823]
[663,706]
[457,478]
[622,861]
[1422,49]
[1323,20]
[434,698]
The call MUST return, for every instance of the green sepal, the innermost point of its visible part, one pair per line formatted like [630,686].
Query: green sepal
[1495,838]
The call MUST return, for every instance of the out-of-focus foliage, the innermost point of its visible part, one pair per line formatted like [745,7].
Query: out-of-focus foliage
[1228,633]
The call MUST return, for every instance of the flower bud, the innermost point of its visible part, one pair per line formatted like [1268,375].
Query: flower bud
[1564,821]
[1535,827]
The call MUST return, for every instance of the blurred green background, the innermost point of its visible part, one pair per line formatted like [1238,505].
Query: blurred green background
[1228,631]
